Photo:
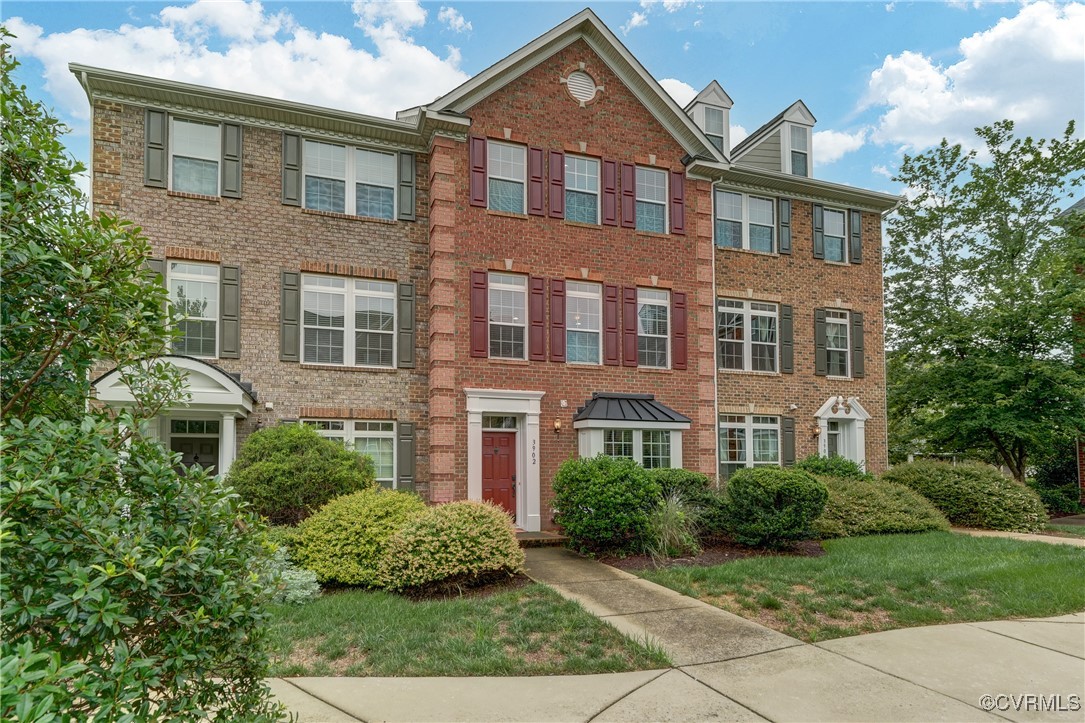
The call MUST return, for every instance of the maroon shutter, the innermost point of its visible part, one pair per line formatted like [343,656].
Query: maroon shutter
[679,341]
[629,326]
[610,193]
[557,184]
[536,314]
[479,315]
[611,329]
[678,202]
[629,195]
[535,181]
[477,151]
[557,320]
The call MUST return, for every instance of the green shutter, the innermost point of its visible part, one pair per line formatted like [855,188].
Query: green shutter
[785,225]
[290,317]
[230,312]
[856,247]
[787,336]
[405,454]
[406,187]
[787,441]
[155,148]
[858,365]
[291,169]
[819,232]
[406,327]
[231,160]
[821,356]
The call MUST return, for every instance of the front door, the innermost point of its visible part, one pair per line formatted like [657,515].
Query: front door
[203,451]
[499,469]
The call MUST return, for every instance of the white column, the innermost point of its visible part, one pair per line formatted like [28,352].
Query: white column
[532,518]
[227,444]
[474,455]
[860,443]
[676,449]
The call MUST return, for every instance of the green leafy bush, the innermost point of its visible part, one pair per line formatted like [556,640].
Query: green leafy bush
[288,471]
[604,503]
[693,487]
[835,466]
[973,495]
[673,528]
[1064,500]
[773,507]
[459,543]
[292,585]
[343,542]
[858,507]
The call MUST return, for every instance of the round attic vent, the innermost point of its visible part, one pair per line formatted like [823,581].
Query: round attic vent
[581,86]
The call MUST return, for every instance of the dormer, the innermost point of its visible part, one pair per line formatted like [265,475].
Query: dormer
[784,144]
[711,111]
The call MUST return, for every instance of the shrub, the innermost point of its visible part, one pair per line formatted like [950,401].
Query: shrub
[693,487]
[835,466]
[603,503]
[459,543]
[281,535]
[973,495]
[344,540]
[673,528]
[772,507]
[857,507]
[288,471]
[1063,500]
[292,585]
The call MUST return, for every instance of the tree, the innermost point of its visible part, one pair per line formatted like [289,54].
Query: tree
[127,590]
[981,289]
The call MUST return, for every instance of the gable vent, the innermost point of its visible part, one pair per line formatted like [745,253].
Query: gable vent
[581,86]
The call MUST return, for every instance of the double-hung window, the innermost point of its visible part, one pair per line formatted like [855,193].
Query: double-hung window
[800,150]
[195,153]
[650,447]
[376,439]
[837,342]
[747,335]
[653,328]
[581,189]
[748,441]
[583,323]
[507,173]
[835,235]
[713,126]
[194,293]
[745,222]
[508,316]
[618,443]
[327,326]
[651,196]
[354,181]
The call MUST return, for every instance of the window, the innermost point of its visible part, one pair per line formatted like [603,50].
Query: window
[376,439]
[495,421]
[195,149]
[653,332]
[326,325]
[837,343]
[194,293]
[655,448]
[194,426]
[835,235]
[745,222]
[329,168]
[651,200]
[746,334]
[618,443]
[583,320]
[833,445]
[713,126]
[748,441]
[581,189]
[508,316]
[506,170]
[800,150]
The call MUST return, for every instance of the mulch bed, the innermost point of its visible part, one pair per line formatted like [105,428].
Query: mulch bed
[715,552]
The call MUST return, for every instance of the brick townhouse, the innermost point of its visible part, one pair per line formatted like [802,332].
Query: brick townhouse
[551,260]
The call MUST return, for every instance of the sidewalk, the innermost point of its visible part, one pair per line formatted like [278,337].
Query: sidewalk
[729,668]
[1049,539]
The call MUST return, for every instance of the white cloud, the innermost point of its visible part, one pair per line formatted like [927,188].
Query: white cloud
[452,18]
[738,134]
[639,18]
[636,20]
[830,146]
[881,170]
[673,6]
[686,46]
[261,53]
[682,93]
[890,7]
[1027,68]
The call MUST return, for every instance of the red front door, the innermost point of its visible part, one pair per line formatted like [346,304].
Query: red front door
[499,469]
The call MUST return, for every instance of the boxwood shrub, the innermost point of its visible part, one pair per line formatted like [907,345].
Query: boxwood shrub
[859,507]
[773,507]
[973,495]
[604,503]
[835,466]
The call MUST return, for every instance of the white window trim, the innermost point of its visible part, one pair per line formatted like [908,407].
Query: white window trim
[745,221]
[350,179]
[748,425]
[723,124]
[181,276]
[597,297]
[598,186]
[490,284]
[592,436]
[846,321]
[216,154]
[670,329]
[489,174]
[349,292]
[666,198]
[785,148]
[747,342]
[349,435]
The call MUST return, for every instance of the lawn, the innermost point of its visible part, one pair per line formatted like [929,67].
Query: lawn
[529,630]
[1075,530]
[867,584]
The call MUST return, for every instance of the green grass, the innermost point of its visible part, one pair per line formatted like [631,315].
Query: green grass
[867,584]
[526,631]
[1075,530]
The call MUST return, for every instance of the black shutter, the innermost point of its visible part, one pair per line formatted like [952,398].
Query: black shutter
[155,148]
[406,188]
[821,356]
[858,365]
[291,169]
[156,266]
[787,441]
[231,160]
[819,232]
[290,318]
[787,336]
[405,455]
[785,225]
[230,312]
[406,326]
[856,256]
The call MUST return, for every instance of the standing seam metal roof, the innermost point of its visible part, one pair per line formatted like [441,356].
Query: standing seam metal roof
[640,408]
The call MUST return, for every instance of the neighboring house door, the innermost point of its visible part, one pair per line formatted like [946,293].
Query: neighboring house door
[203,451]
[499,469]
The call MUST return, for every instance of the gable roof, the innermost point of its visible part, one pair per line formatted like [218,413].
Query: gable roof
[796,110]
[585,26]
[713,94]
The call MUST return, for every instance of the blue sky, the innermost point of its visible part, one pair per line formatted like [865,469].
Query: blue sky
[881,78]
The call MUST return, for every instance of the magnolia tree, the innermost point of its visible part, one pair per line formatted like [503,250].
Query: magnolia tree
[983,279]
[129,591]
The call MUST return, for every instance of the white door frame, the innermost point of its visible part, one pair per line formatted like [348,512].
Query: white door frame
[853,417]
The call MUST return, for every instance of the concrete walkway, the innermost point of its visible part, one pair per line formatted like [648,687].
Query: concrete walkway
[729,668]
[1049,539]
